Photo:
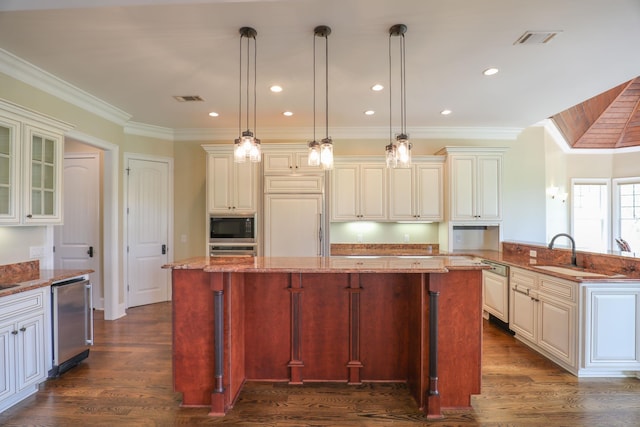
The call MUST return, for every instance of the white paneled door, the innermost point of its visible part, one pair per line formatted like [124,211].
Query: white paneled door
[77,242]
[148,195]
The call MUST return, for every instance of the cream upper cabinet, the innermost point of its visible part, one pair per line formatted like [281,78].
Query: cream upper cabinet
[231,186]
[280,159]
[416,193]
[358,192]
[31,150]
[10,143]
[474,181]
[43,176]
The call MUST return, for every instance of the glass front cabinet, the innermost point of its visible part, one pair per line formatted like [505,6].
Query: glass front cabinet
[31,150]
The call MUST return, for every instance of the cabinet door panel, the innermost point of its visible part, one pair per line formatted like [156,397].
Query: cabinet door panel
[556,332]
[7,361]
[523,316]
[613,328]
[30,363]
[244,187]
[344,193]
[373,199]
[9,171]
[293,224]
[489,187]
[218,177]
[429,192]
[401,194]
[463,188]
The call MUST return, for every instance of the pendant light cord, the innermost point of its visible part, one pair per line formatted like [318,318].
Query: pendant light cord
[403,86]
[255,84]
[326,83]
[390,95]
[314,88]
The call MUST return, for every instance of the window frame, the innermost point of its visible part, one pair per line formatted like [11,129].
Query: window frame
[608,220]
[615,219]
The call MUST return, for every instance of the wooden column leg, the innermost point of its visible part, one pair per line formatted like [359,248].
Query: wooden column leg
[217,396]
[295,362]
[355,365]
[433,397]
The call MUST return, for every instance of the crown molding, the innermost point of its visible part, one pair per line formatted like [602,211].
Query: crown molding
[304,134]
[28,73]
[152,131]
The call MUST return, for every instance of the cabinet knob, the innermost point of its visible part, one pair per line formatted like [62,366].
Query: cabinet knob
[29,216]
[14,332]
[23,329]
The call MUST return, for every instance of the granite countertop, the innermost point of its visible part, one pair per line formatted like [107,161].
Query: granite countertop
[333,264]
[615,272]
[27,276]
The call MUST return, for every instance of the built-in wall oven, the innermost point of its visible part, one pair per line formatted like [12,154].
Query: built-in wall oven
[233,235]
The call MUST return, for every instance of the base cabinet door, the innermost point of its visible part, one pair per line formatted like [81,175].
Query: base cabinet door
[556,329]
[23,345]
[523,315]
[612,329]
[30,367]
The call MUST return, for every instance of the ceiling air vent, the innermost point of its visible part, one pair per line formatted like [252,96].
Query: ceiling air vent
[536,37]
[188,98]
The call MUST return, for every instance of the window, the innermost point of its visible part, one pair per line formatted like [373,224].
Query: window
[627,211]
[591,214]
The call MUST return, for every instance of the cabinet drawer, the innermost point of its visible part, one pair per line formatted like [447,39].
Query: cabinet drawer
[560,289]
[23,302]
[297,184]
[523,279]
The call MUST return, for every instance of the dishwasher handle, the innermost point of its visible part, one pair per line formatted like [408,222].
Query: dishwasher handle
[88,314]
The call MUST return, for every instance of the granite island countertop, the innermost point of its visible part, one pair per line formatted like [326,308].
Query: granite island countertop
[333,264]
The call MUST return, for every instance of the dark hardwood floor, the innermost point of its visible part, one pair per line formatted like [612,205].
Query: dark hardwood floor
[126,381]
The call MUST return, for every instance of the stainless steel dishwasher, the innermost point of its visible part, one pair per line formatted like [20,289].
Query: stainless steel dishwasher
[71,323]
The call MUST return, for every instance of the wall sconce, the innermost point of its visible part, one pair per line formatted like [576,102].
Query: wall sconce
[554,192]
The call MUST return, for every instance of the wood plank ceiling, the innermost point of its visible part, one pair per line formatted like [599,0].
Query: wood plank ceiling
[609,120]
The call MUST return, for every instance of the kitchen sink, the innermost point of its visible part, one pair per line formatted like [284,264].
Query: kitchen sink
[4,286]
[575,272]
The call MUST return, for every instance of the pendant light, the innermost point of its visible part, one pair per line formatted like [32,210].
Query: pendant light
[246,146]
[321,153]
[398,152]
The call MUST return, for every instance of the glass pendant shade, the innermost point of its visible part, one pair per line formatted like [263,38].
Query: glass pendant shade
[390,155]
[326,153]
[314,154]
[403,151]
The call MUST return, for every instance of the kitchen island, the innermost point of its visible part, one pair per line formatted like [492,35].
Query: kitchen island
[342,319]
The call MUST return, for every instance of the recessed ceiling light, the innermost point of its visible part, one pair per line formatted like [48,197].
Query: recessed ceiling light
[214,114]
[276,88]
[369,112]
[377,87]
[490,71]
[446,112]
[287,113]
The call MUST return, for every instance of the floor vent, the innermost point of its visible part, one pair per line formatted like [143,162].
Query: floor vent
[188,98]
[537,37]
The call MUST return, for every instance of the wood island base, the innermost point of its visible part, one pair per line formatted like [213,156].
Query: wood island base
[232,327]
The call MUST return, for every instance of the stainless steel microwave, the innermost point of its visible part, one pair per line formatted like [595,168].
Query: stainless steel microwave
[232,228]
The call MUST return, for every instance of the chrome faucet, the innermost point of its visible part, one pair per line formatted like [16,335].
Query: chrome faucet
[573,246]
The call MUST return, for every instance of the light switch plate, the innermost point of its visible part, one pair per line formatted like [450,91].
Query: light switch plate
[533,254]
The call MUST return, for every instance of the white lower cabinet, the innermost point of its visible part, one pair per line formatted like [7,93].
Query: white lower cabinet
[612,330]
[23,344]
[543,315]
[592,329]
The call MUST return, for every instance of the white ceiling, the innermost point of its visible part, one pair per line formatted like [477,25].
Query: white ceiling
[137,54]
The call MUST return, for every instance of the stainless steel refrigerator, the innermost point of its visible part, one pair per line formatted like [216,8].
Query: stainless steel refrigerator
[72,323]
